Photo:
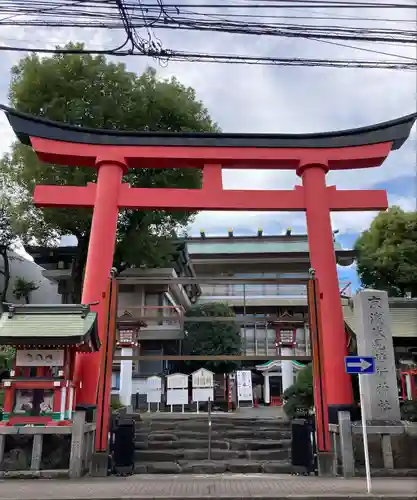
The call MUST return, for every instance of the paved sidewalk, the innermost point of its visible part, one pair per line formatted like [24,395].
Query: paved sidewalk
[222,487]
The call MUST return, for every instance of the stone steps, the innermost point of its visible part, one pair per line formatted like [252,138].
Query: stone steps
[202,442]
[172,435]
[237,466]
[202,454]
[178,445]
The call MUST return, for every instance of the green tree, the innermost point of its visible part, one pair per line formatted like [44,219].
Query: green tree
[212,338]
[91,91]
[301,393]
[8,240]
[387,253]
[23,288]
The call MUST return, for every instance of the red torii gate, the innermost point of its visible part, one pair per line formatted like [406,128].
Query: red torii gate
[310,155]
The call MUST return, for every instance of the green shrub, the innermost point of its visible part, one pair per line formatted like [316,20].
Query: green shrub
[300,394]
[409,411]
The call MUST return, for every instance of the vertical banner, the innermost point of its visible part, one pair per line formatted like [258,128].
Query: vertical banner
[319,382]
[244,385]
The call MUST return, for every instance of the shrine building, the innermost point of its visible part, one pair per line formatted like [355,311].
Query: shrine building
[235,256]
[257,256]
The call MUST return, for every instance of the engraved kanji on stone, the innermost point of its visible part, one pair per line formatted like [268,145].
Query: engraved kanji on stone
[380,356]
[381,370]
[384,404]
[374,302]
[382,387]
[377,345]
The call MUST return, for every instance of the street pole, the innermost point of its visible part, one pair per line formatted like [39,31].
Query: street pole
[365,437]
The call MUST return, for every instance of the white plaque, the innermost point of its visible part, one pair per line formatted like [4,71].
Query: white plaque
[154,389]
[201,395]
[374,338]
[177,397]
[177,381]
[244,385]
[203,379]
[37,357]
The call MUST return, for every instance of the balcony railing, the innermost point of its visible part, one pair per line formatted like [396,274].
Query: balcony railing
[254,291]
[153,315]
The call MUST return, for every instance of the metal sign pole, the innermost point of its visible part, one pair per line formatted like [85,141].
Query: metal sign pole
[362,366]
[365,437]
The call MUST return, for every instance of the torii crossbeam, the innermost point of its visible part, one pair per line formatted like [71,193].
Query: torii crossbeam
[310,155]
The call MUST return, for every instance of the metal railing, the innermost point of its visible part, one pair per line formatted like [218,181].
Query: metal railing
[241,291]
[153,315]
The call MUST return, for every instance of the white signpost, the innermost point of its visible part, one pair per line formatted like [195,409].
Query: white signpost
[362,366]
[244,386]
[203,386]
[154,391]
[177,390]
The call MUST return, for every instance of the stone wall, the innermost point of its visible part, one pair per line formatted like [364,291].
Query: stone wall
[18,452]
[404,452]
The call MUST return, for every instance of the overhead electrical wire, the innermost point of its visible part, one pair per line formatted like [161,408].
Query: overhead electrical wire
[141,20]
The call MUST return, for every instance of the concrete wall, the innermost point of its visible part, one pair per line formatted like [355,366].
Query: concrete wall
[23,268]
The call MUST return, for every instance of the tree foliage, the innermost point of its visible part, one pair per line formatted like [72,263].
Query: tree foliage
[387,253]
[301,393]
[212,338]
[8,240]
[91,91]
[23,288]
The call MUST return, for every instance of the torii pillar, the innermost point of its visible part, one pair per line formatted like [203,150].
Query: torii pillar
[310,155]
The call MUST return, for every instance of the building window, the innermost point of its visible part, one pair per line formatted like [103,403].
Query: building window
[115,382]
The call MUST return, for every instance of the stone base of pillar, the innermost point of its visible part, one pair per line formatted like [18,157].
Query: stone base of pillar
[354,411]
[100,464]
[325,463]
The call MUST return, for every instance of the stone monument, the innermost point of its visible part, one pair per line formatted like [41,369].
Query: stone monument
[374,338]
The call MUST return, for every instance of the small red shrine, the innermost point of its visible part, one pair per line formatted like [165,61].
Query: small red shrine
[40,389]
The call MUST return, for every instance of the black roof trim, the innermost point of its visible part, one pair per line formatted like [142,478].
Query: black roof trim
[26,126]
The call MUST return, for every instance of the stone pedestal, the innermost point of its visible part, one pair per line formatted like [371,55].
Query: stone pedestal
[267,392]
[125,394]
[374,338]
[287,369]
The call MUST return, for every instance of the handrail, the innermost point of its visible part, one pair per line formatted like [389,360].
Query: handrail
[209,428]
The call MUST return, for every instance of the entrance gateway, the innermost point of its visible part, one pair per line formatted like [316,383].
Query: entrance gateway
[312,156]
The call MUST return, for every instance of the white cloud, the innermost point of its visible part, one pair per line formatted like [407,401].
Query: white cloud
[275,99]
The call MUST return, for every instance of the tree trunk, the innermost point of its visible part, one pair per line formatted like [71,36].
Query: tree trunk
[6,274]
[78,266]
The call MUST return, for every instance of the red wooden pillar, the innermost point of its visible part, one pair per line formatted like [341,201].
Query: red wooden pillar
[98,266]
[323,261]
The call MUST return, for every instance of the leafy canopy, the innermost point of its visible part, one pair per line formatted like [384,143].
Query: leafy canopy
[92,91]
[387,253]
[212,338]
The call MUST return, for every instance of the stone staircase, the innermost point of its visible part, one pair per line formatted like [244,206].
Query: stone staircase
[179,444]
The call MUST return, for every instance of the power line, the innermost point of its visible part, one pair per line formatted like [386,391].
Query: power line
[140,20]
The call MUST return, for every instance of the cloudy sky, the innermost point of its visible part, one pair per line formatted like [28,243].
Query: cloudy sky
[278,99]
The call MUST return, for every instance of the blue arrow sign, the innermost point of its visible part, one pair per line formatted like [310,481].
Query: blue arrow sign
[360,365]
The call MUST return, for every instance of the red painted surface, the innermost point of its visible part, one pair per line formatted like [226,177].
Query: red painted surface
[320,375]
[314,197]
[98,266]
[106,364]
[210,199]
[323,261]
[85,155]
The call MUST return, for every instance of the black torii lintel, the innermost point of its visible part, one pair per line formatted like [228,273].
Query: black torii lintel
[26,126]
